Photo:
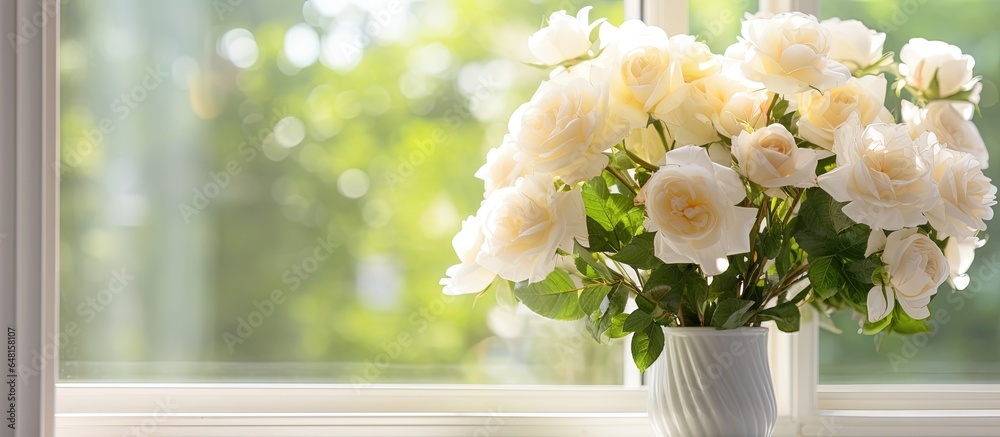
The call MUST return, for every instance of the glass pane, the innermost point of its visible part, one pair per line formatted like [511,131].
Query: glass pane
[965,347]
[264,190]
[717,22]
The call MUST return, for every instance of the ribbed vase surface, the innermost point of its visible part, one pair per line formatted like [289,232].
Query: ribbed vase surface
[711,383]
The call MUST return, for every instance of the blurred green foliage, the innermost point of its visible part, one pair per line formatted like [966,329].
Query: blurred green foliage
[203,194]
[429,96]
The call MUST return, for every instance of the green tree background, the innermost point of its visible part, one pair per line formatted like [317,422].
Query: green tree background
[372,147]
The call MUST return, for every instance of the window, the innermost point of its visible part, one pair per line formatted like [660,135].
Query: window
[964,349]
[262,191]
[171,133]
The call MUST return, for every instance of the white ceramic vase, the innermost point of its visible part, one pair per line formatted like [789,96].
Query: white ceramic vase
[712,383]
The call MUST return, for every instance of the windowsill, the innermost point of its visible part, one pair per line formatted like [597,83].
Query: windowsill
[85,410]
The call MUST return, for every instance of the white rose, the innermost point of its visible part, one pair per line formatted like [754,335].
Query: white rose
[566,37]
[922,60]
[647,144]
[646,78]
[744,110]
[960,253]
[468,276]
[916,269]
[501,169]
[697,60]
[565,129]
[788,54]
[697,119]
[854,45]
[967,196]
[733,57]
[770,158]
[690,205]
[949,121]
[822,113]
[886,176]
[523,225]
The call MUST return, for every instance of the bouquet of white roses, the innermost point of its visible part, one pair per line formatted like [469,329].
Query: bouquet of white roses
[729,190]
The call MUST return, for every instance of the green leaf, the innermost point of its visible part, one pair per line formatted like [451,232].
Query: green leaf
[591,297]
[642,176]
[645,304]
[911,327]
[863,271]
[600,238]
[647,346]
[615,328]
[771,242]
[556,297]
[611,181]
[838,219]
[779,109]
[869,328]
[732,313]
[637,321]
[666,285]
[821,228]
[786,316]
[724,284]
[814,212]
[639,253]
[595,193]
[904,324]
[615,213]
[825,276]
[601,323]
[591,262]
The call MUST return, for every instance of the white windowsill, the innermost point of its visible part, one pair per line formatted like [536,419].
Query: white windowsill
[85,410]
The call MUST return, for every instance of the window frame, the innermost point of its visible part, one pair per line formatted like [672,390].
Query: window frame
[30,208]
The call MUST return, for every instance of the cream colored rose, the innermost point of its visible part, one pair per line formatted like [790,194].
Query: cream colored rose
[647,144]
[789,54]
[564,130]
[698,117]
[697,60]
[822,113]
[967,196]
[949,121]
[468,276]
[645,76]
[916,269]
[690,205]
[744,110]
[960,252]
[853,44]
[565,38]
[501,169]
[923,60]
[885,175]
[523,225]
[770,158]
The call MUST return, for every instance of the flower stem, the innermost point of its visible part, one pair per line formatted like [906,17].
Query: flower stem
[791,208]
[757,259]
[663,137]
[642,163]
[626,181]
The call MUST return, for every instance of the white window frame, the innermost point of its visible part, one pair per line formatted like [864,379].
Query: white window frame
[29,211]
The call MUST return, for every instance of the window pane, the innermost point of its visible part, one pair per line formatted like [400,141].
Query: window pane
[263,190]
[717,22]
[965,347]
